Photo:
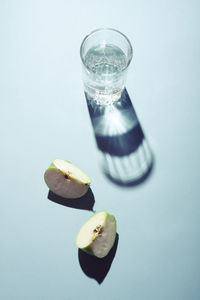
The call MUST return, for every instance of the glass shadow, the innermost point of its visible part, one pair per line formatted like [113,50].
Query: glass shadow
[127,159]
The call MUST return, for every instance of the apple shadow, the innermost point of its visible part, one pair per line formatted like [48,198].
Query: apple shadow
[94,267]
[85,202]
[126,156]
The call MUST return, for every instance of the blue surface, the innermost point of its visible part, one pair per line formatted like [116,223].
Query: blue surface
[44,115]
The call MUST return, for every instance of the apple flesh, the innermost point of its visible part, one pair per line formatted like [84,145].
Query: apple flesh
[97,235]
[66,180]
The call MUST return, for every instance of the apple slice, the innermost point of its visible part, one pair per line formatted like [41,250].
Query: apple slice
[97,235]
[66,180]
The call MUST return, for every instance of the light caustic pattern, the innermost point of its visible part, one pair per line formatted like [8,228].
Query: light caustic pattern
[126,155]
[110,121]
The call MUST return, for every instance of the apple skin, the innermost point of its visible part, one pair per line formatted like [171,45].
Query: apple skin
[100,238]
[74,188]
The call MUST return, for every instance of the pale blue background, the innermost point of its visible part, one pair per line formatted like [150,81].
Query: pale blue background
[44,116]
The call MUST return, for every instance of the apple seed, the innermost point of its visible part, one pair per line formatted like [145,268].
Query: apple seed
[98,230]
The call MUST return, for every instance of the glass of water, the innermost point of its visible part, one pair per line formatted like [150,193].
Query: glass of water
[106,54]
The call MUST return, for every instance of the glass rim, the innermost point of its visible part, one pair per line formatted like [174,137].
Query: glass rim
[106,29]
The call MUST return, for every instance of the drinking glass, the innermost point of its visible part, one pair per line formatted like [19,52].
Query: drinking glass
[106,54]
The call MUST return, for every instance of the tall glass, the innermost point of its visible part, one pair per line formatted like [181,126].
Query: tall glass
[106,54]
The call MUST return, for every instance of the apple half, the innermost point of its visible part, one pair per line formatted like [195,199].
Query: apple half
[97,235]
[66,180]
